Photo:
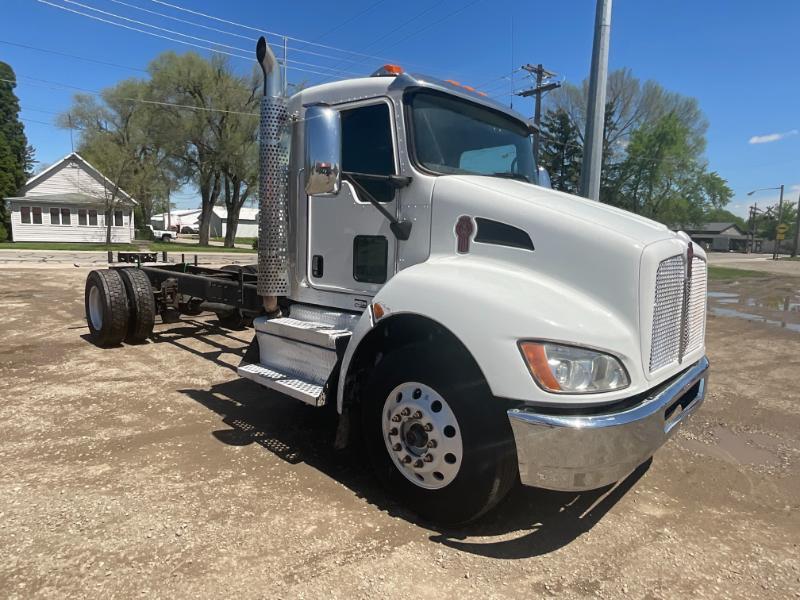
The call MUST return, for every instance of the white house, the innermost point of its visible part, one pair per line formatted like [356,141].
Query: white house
[66,203]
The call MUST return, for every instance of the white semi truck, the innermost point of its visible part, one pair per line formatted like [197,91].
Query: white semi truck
[472,327]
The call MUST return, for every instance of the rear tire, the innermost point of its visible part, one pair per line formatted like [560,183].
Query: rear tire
[472,463]
[107,309]
[142,305]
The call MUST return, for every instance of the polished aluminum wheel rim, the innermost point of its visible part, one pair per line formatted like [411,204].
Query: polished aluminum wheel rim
[422,435]
[95,308]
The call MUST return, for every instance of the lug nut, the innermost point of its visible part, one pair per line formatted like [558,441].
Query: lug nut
[397,447]
[432,444]
[428,458]
[418,415]
[396,418]
[418,464]
[405,412]
[393,431]
[427,427]
[406,459]
[417,393]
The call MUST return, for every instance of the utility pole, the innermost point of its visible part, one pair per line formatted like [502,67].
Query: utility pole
[796,230]
[780,214]
[538,90]
[595,114]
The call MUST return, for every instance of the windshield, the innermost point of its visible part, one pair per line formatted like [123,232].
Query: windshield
[455,136]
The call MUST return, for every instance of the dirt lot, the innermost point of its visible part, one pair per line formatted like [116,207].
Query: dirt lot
[154,471]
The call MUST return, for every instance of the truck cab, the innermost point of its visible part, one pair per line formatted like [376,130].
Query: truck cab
[477,326]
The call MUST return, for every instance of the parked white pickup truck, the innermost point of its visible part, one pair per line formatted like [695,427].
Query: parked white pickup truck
[163,234]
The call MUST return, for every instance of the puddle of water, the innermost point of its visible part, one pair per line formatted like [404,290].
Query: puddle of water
[766,304]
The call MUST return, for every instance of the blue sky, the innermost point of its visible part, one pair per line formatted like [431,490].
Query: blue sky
[739,58]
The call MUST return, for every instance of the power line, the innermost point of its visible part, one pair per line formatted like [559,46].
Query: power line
[184,42]
[74,56]
[351,19]
[140,100]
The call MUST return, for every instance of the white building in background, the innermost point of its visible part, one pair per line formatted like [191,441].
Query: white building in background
[248,222]
[247,228]
[66,203]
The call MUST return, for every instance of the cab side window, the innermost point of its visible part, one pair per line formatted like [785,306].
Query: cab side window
[367,146]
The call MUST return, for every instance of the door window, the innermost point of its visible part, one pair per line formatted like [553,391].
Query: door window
[367,147]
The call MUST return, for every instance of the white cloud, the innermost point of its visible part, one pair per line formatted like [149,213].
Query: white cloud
[771,137]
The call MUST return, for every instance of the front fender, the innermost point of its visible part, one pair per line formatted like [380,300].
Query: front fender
[490,306]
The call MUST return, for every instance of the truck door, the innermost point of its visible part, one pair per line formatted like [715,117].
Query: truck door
[350,246]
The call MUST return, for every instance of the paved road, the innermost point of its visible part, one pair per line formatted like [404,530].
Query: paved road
[755,262]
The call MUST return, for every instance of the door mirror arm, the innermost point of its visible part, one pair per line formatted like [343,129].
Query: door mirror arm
[400,229]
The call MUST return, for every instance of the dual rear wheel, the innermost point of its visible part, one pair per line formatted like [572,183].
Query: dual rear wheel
[120,306]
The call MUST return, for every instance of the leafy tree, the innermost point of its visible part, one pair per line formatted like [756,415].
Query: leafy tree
[16,156]
[561,150]
[208,142]
[119,135]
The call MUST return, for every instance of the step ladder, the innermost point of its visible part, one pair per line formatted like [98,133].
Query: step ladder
[298,353]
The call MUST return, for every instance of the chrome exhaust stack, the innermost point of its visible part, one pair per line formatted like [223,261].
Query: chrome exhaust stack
[273,223]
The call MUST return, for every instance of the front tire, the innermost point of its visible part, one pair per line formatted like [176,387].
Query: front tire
[107,309]
[436,437]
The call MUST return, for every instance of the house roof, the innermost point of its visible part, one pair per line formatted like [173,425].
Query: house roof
[74,156]
[713,228]
[245,213]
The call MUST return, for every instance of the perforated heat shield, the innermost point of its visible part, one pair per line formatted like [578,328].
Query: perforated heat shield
[273,279]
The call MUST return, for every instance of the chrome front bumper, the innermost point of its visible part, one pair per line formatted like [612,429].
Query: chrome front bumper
[573,452]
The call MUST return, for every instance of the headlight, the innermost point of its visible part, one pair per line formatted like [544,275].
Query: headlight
[570,370]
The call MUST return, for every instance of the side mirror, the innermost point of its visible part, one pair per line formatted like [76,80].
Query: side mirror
[544,178]
[323,151]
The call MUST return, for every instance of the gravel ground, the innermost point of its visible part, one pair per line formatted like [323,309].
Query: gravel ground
[154,471]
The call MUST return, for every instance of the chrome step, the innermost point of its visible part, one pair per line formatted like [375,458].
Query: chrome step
[308,332]
[298,353]
[306,391]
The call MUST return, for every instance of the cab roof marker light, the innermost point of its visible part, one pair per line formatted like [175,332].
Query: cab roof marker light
[388,71]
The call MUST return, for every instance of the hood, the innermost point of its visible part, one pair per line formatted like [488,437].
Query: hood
[591,248]
[579,210]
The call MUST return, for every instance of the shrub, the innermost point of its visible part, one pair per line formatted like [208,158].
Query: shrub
[144,234]
[255,244]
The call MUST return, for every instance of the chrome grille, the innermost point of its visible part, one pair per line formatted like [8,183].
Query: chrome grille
[667,311]
[696,307]
[679,311]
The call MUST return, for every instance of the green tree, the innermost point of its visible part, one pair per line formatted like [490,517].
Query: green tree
[119,134]
[16,156]
[561,150]
[207,141]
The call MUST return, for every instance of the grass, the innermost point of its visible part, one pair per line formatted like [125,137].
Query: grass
[716,273]
[238,240]
[170,247]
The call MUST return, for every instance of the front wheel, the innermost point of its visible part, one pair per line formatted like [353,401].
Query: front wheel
[436,436]
[166,238]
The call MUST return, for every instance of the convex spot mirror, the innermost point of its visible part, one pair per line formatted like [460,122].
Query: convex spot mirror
[323,150]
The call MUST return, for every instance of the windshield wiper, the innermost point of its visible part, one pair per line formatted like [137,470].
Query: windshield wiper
[509,175]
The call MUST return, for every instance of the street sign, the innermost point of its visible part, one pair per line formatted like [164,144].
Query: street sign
[782,228]
[780,237]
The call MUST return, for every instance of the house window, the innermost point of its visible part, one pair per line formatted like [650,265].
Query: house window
[65,216]
[81,216]
[117,218]
[37,215]
[25,214]
[55,216]
[92,217]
